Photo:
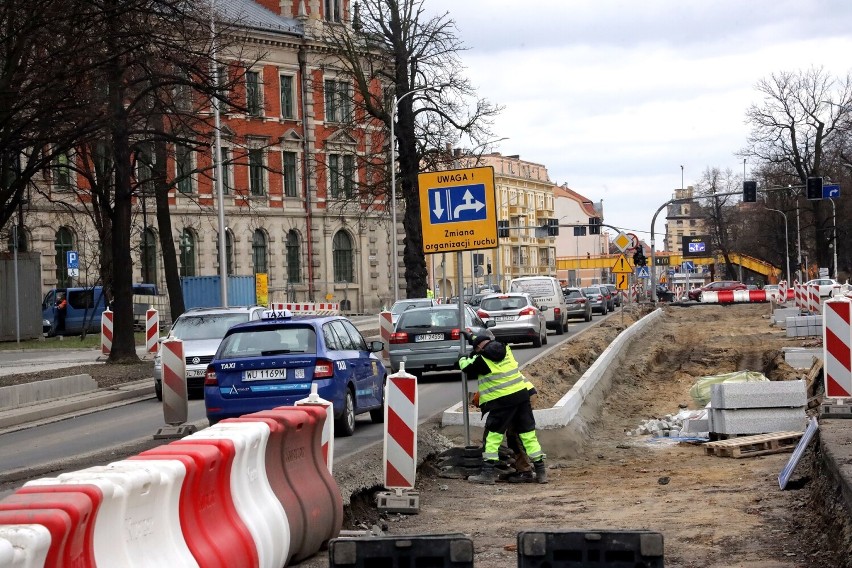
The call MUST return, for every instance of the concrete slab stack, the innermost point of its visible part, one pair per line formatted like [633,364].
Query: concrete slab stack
[804,326]
[758,407]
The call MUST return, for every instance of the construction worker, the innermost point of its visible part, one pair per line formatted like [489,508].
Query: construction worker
[504,392]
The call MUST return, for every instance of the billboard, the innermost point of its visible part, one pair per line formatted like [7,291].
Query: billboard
[696,246]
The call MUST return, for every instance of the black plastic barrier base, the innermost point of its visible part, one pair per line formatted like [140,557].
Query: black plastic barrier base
[432,551]
[582,548]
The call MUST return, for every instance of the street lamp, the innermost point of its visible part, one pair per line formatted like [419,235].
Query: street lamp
[786,240]
[395,267]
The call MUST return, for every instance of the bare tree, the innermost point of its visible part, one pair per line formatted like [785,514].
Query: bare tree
[721,214]
[406,68]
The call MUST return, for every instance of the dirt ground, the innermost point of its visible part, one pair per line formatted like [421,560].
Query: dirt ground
[712,511]
[105,375]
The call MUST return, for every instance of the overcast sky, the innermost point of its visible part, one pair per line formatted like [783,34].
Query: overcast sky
[614,96]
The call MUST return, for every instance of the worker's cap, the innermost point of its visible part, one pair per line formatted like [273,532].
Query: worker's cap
[478,339]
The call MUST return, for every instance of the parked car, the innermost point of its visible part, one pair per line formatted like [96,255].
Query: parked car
[201,330]
[517,318]
[827,286]
[597,299]
[275,360]
[718,286]
[401,305]
[428,339]
[615,294]
[578,304]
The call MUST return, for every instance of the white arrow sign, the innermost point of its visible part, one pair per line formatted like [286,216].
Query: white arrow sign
[438,210]
[469,203]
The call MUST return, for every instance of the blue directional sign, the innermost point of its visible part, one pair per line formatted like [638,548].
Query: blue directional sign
[72,259]
[642,272]
[688,264]
[457,204]
[830,191]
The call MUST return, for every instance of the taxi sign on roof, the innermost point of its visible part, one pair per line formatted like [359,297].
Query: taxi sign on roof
[276,314]
[458,210]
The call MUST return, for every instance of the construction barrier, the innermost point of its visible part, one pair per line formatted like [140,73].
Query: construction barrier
[733,296]
[152,331]
[24,546]
[837,347]
[385,331]
[400,446]
[175,396]
[308,309]
[106,332]
[814,306]
[327,442]
[783,292]
[450,550]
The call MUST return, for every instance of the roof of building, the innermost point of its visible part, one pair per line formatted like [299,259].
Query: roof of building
[250,14]
[587,205]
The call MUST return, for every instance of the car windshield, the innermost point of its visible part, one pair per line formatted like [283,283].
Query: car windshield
[429,318]
[206,326]
[573,294]
[504,303]
[592,291]
[263,342]
[400,307]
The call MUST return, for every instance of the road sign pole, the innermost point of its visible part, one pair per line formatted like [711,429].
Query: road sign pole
[462,350]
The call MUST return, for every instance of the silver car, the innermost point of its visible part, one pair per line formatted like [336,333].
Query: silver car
[428,339]
[578,304]
[402,305]
[201,330]
[517,319]
[597,299]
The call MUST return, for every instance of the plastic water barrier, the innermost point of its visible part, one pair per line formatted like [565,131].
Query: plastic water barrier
[249,492]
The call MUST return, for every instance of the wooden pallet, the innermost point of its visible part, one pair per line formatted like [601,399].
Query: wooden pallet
[758,445]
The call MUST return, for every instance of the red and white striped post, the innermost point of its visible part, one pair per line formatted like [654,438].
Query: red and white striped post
[837,347]
[797,294]
[152,330]
[314,399]
[400,448]
[385,331]
[175,400]
[782,292]
[814,299]
[106,332]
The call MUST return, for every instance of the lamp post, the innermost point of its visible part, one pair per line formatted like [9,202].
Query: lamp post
[217,160]
[394,246]
[786,240]
[834,235]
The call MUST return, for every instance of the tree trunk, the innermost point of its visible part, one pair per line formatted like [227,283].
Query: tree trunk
[413,257]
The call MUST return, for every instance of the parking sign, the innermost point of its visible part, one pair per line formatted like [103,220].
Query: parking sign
[72,260]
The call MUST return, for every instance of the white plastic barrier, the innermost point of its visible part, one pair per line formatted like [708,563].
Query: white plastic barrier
[314,399]
[23,546]
[254,499]
[138,522]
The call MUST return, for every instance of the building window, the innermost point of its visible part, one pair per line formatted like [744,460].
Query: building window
[338,101]
[187,253]
[287,104]
[341,175]
[342,257]
[254,103]
[183,170]
[62,169]
[148,256]
[62,243]
[255,164]
[229,252]
[333,11]
[258,252]
[294,257]
[288,165]
[225,161]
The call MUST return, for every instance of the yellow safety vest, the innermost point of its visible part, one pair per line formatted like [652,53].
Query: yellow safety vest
[503,380]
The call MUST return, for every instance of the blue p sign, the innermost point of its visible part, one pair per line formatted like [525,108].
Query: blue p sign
[72,259]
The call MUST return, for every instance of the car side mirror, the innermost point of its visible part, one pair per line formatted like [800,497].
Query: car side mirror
[544,308]
[490,323]
[376,346]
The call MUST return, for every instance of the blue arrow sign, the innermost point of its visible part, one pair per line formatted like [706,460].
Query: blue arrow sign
[688,264]
[830,191]
[642,272]
[457,204]
[72,260]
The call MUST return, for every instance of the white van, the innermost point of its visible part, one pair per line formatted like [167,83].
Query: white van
[547,293]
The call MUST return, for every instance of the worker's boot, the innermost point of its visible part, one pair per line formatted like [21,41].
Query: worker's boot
[540,471]
[487,475]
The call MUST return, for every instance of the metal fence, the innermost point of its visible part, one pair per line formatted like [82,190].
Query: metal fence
[26,302]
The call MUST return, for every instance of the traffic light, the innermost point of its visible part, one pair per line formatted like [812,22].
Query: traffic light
[814,188]
[749,191]
[639,258]
[553,227]
[579,231]
[502,229]
[594,225]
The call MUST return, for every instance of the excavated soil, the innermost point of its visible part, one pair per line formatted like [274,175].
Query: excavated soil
[712,511]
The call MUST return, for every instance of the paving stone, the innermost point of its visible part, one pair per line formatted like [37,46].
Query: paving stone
[758,420]
[760,394]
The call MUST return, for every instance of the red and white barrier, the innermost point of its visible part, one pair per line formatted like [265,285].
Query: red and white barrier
[310,308]
[24,546]
[733,296]
[385,331]
[400,447]
[837,347]
[106,332]
[782,292]
[814,305]
[799,295]
[314,399]
[175,397]
[152,331]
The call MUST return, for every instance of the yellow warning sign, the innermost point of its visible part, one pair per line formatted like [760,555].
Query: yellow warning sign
[622,265]
[621,281]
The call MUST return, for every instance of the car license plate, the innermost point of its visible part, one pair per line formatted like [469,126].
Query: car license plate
[504,318]
[429,337]
[196,372]
[264,374]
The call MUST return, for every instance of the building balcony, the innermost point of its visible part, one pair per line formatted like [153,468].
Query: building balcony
[516,210]
[544,213]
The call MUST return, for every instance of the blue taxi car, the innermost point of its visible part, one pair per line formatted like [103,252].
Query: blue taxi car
[274,361]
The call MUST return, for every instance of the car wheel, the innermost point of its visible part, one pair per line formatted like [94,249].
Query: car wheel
[544,339]
[588,316]
[537,340]
[565,325]
[158,390]
[559,330]
[377,415]
[345,425]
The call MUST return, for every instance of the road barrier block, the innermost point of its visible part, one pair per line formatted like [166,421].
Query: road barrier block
[814,299]
[317,502]
[152,331]
[175,397]
[385,331]
[213,530]
[56,521]
[450,550]
[539,549]
[78,549]
[106,332]
[328,426]
[24,546]
[254,499]
[400,430]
